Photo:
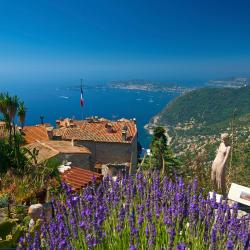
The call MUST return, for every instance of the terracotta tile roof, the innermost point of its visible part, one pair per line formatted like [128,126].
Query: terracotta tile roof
[44,153]
[35,133]
[99,130]
[49,149]
[79,178]
[66,147]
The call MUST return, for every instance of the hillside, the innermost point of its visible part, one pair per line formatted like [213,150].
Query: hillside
[207,106]
[194,121]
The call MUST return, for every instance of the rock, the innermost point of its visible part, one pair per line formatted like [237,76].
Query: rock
[39,211]
[241,213]
[35,211]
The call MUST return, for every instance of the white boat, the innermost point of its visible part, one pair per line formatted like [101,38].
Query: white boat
[64,97]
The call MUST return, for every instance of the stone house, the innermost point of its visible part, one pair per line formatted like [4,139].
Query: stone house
[112,143]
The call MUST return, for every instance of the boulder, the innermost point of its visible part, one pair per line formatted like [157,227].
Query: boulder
[39,211]
[35,211]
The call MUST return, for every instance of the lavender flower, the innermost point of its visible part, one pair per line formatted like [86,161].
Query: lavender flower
[181,246]
[144,212]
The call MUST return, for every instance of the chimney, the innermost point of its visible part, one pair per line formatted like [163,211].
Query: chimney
[124,135]
[50,132]
[90,119]
[124,132]
[109,127]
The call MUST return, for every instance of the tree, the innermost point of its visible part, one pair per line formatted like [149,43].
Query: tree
[11,154]
[162,157]
[159,134]
[12,107]
[22,113]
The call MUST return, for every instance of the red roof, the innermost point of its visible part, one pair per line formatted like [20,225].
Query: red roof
[79,178]
[98,130]
[35,133]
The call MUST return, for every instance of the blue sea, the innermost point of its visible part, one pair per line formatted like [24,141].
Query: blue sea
[55,101]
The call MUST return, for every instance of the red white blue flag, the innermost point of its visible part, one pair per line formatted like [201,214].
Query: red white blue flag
[81,98]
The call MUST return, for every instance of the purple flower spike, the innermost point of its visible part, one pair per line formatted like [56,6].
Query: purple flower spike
[132,247]
[146,211]
[181,246]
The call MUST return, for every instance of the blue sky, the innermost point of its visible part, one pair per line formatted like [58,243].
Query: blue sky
[107,40]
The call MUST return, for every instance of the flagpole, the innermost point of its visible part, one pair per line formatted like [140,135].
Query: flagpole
[81,106]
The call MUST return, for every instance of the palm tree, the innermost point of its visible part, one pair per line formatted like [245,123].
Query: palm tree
[21,113]
[5,100]
[12,107]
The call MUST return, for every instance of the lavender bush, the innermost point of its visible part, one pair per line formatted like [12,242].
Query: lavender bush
[141,212]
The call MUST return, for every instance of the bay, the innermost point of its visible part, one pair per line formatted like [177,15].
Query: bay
[54,102]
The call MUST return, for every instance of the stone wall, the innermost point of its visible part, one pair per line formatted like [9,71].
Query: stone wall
[78,160]
[105,152]
[134,156]
[113,152]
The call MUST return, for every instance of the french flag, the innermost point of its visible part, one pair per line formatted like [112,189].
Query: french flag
[81,98]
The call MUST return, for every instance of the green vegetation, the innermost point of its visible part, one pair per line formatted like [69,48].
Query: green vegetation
[195,122]
[11,154]
[20,174]
[23,188]
[161,157]
[22,180]
[208,106]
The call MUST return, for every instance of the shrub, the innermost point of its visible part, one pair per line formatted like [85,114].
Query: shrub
[6,228]
[4,200]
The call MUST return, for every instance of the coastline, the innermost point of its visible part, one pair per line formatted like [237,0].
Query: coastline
[152,88]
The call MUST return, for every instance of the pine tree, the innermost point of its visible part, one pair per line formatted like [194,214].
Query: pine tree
[162,157]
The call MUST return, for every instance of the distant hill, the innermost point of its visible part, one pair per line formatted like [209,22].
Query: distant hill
[152,86]
[232,82]
[208,106]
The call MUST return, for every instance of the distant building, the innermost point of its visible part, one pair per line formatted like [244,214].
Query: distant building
[112,143]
